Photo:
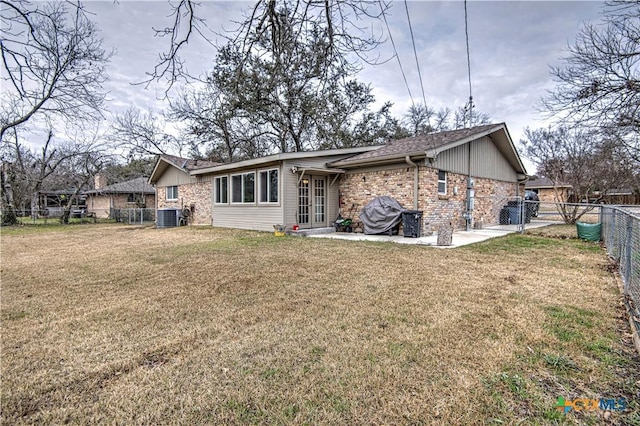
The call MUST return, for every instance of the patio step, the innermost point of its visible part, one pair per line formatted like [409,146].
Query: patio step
[312,231]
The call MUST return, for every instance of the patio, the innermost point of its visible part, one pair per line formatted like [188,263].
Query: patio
[460,238]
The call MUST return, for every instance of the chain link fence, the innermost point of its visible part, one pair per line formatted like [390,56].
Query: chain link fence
[133,216]
[621,235]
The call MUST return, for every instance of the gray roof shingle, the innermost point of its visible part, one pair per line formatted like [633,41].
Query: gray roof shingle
[188,164]
[135,186]
[420,143]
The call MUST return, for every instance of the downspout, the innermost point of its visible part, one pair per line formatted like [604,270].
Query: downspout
[521,200]
[415,181]
[520,182]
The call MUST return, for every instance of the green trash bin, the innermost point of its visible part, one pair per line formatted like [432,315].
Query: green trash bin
[589,231]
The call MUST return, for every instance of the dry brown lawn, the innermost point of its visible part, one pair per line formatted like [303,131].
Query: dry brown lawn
[126,325]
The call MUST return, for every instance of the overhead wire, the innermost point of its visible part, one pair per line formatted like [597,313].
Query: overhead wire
[413,41]
[466,33]
[395,51]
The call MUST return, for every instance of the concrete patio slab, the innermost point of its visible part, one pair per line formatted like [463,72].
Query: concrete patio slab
[460,238]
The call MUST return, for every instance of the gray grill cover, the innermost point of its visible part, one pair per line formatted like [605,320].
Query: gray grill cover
[381,214]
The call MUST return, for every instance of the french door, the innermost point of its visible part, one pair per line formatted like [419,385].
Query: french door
[312,202]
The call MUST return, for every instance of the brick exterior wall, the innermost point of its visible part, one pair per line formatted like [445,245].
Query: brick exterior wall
[491,195]
[360,188]
[196,196]
[549,195]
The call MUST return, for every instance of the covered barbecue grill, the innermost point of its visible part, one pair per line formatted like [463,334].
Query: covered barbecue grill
[382,216]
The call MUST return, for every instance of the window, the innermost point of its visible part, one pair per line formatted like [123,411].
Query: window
[319,200]
[269,186]
[442,182]
[243,188]
[222,190]
[172,192]
[131,198]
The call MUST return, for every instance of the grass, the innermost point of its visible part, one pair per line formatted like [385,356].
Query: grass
[120,324]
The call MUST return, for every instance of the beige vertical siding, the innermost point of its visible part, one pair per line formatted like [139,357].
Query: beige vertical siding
[289,195]
[174,177]
[486,161]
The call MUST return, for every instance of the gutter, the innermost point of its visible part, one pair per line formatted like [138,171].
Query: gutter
[376,160]
[415,181]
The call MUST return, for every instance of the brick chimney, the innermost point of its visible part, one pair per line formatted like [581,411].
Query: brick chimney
[99,181]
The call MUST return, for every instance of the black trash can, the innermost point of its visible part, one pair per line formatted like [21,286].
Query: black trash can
[515,217]
[504,216]
[528,212]
[412,223]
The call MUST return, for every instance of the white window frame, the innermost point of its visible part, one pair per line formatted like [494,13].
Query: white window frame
[443,181]
[268,181]
[215,190]
[176,193]
[242,192]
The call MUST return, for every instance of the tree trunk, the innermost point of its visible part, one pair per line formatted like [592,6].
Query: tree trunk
[35,200]
[8,209]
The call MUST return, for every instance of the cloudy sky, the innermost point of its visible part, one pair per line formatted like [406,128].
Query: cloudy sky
[512,44]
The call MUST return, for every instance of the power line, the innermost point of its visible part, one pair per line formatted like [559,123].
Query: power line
[395,51]
[413,41]
[466,33]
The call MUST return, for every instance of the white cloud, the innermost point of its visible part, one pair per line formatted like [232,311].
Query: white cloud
[511,46]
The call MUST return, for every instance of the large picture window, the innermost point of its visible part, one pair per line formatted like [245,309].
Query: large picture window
[243,188]
[172,192]
[221,190]
[268,184]
[442,182]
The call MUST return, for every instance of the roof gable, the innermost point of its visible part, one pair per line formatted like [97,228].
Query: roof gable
[184,165]
[187,163]
[430,145]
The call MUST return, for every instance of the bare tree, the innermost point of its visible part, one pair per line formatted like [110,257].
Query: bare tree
[280,86]
[214,122]
[598,85]
[52,64]
[418,119]
[79,170]
[468,117]
[142,134]
[583,159]
[421,119]
[340,21]
[51,166]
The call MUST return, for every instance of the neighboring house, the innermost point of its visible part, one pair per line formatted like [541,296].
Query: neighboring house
[547,191]
[177,188]
[622,196]
[53,203]
[136,193]
[308,189]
